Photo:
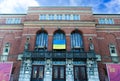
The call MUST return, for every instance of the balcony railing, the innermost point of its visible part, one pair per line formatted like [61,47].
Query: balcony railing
[58,55]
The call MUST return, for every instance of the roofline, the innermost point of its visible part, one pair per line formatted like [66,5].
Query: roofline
[60,7]
[12,14]
[106,14]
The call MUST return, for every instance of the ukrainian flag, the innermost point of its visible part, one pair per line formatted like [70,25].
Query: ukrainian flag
[59,44]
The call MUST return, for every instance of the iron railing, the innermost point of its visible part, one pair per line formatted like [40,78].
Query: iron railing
[58,55]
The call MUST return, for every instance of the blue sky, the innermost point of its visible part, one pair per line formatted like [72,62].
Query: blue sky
[98,6]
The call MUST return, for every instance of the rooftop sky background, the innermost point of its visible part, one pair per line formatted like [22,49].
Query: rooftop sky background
[98,6]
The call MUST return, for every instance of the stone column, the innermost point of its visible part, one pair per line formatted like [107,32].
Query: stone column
[48,70]
[69,70]
[25,70]
[92,70]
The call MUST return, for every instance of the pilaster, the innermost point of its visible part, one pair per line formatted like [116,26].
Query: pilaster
[48,70]
[25,70]
[69,70]
[92,70]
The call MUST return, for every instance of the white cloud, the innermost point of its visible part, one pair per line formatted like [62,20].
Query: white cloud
[16,6]
[73,3]
[113,6]
[90,3]
[99,6]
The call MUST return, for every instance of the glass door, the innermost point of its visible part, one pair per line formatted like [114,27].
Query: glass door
[59,73]
[80,73]
[37,73]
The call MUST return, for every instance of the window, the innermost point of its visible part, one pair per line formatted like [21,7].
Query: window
[113,53]
[17,20]
[112,49]
[59,40]
[51,17]
[110,21]
[42,40]
[101,21]
[5,52]
[67,17]
[37,73]
[6,48]
[80,73]
[42,17]
[58,73]
[76,17]
[13,21]
[106,21]
[59,35]
[76,40]
[59,16]
[8,21]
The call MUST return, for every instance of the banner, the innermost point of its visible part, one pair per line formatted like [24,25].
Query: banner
[5,71]
[113,72]
[59,44]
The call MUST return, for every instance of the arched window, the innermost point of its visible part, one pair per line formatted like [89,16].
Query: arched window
[41,40]
[76,40]
[59,40]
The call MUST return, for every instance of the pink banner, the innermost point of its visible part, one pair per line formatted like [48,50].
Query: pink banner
[5,71]
[113,72]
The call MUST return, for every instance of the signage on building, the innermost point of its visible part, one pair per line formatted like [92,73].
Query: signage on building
[113,71]
[5,71]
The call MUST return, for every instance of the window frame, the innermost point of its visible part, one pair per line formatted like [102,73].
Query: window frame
[13,20]
[38,71]
[106,21]
[41,40]
[58,72]
[114,56]
[74,38]
[79,72]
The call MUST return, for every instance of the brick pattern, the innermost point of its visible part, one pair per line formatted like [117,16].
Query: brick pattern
[17,37]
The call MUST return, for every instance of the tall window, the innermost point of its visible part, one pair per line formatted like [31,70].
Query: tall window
[113,53]
[5,52]
[80,73]
[37,73]
[76,40]
[59,35]
[59,40]
[58,73]
[41,40]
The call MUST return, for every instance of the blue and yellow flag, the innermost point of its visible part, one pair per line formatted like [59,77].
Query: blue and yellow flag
[59,44]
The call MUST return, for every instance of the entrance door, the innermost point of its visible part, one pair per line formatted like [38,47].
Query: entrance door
[37,73]
[80,73]
[59,73]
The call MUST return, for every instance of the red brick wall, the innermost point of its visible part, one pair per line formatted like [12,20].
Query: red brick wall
[101,38]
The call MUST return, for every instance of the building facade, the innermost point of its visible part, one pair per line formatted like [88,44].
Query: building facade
[59,44]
